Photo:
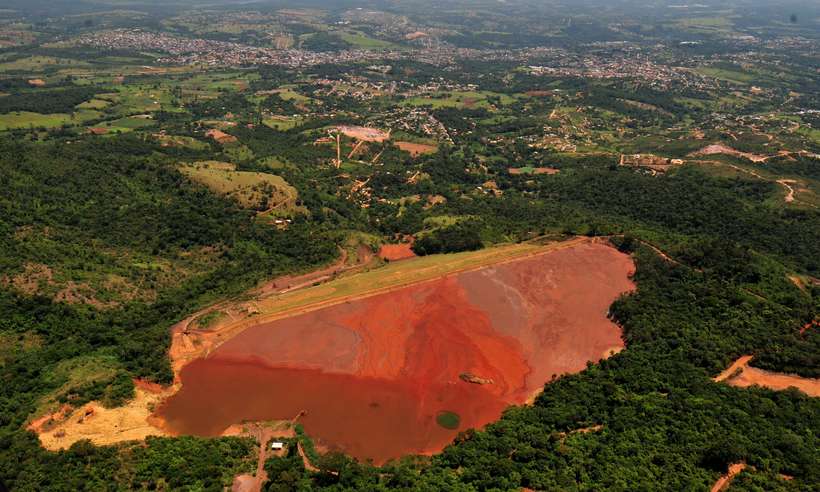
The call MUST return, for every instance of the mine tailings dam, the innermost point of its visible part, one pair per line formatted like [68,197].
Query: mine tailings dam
[403,372]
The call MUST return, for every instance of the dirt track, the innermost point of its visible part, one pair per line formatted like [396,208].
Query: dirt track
[724,481]
[742,375]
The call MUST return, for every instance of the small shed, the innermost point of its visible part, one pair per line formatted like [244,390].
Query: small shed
[277,446]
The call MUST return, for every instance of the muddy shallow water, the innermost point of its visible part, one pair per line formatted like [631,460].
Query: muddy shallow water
[372,375]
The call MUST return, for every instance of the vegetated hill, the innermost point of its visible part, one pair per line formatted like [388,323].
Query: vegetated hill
[686,323]
[104,243]
[254,190]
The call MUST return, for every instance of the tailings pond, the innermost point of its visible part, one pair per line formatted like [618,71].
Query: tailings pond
[403,372]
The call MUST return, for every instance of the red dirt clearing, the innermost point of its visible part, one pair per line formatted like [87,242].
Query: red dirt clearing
[416,149]
[724,481]
[374,374]
[394,252]
[742,375]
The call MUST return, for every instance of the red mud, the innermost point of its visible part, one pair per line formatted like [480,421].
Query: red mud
[374,374]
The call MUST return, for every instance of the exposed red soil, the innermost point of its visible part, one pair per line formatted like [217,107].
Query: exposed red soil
[742,375]
[46,421]
[789,198]
[724,481]
[416,149]
[415,35]
[813,324]
[149,386]
[220,136]
[373,374]
[394,252]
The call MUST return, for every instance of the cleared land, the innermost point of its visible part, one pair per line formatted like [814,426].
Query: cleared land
[416,149]
[742,375]
[394,252]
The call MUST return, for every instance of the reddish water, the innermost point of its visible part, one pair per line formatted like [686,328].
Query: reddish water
[373,374]
[341,409]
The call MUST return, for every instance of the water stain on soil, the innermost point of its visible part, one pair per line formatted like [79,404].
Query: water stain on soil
[375,375]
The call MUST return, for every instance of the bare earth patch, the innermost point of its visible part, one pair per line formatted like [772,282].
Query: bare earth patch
[363,133]
[416,149]
[394,252]
[742,375]
[723,149]
[101,425]
[724,481]
[220,136]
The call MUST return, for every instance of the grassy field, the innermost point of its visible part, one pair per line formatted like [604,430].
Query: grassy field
[288,94]
[361,40]
[38,64]
[742,78]
[182,141]
[249,189]
[25,119]
[94,104]
[463,99]
[128,124]
[281,123]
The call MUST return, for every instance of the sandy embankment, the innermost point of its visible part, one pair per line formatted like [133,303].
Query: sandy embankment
[101,425]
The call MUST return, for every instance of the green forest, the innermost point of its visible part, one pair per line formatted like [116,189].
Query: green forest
[89,206]
[159,160]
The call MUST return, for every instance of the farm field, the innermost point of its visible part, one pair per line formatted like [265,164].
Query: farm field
[24,119]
